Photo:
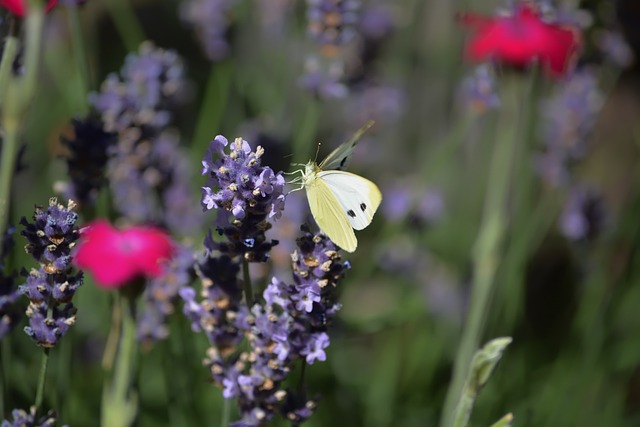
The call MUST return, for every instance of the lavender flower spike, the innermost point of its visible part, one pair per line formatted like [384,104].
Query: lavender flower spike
[22,418]
[51,238]
[247,194]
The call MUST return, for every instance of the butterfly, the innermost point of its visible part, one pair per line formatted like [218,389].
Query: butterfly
[340,201]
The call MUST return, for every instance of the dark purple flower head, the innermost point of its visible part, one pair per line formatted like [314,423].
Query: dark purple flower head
[246,194]
[51,237]
[9,294]
[87,160]
[22,418]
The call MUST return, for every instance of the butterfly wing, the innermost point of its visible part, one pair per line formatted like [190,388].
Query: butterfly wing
[329,215]
[358,197]
[340,158]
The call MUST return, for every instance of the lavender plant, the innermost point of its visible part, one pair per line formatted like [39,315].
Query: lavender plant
[292,323]
[51,237]
[22,418]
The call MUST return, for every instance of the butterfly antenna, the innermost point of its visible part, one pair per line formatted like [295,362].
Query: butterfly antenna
[315,160]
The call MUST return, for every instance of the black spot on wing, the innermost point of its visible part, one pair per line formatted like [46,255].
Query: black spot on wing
[363,207]
[351,213]
[342,162]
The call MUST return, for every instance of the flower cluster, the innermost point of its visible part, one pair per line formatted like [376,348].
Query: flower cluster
[9,314]
[51,236]
[523,37]
[148,174]
[584,215]
[22,418]
[211,19]
[246,194]
[292,325]
[162,293]
[478,92]
[87,161]
[331,26]
[570,116]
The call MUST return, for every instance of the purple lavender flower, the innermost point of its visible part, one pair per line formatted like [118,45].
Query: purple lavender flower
[247,195]
[331,23]
[292,325]
[87,161]
[583,217]
[149,175]
[9,294]
[323,81]
[615,48]
[478,92]
[152,84]
[570,116]
[22,418]
[161,295]
[51,238]
[376,22]
[211,20]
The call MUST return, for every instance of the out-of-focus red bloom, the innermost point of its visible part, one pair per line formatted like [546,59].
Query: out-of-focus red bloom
[115,257]
[19,7]
[522,39]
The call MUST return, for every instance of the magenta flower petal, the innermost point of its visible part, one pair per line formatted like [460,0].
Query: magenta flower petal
[116,257]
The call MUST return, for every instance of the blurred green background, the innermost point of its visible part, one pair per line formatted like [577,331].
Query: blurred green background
[570,306]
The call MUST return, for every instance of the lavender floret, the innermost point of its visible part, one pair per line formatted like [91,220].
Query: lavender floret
[246,194]
[50,289]
[22,418]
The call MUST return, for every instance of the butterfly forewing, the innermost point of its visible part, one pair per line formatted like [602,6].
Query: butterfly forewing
[332,220]
[340,158]
[358,197]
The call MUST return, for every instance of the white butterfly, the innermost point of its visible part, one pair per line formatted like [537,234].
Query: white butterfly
[340,201]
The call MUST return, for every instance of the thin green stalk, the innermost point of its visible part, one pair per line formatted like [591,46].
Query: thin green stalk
[487,249]
[213,105]
[7,166]
[246,283]
[79,56]
[226,413]
[42,379]
[8,55]
[127,24]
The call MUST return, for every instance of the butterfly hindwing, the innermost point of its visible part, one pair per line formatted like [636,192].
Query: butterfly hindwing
[358,197]
[332,220]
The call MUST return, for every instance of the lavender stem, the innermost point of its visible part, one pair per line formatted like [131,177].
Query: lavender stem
[42,379]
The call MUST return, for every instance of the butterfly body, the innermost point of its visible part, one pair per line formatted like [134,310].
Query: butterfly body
[340,201]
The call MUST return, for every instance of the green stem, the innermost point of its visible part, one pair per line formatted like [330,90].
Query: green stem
[126,352]
[226,413]
[79,56]
[8,56]
[213,105]
[7,166]
[487,249]
[42,379]
[246,283]
[127,24]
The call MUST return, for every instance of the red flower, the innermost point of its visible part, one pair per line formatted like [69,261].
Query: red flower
[18,7]
[115,257]
[523,39]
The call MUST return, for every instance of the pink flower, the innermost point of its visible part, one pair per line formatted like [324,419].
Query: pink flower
[115,257]
[522,39]
[18,7]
